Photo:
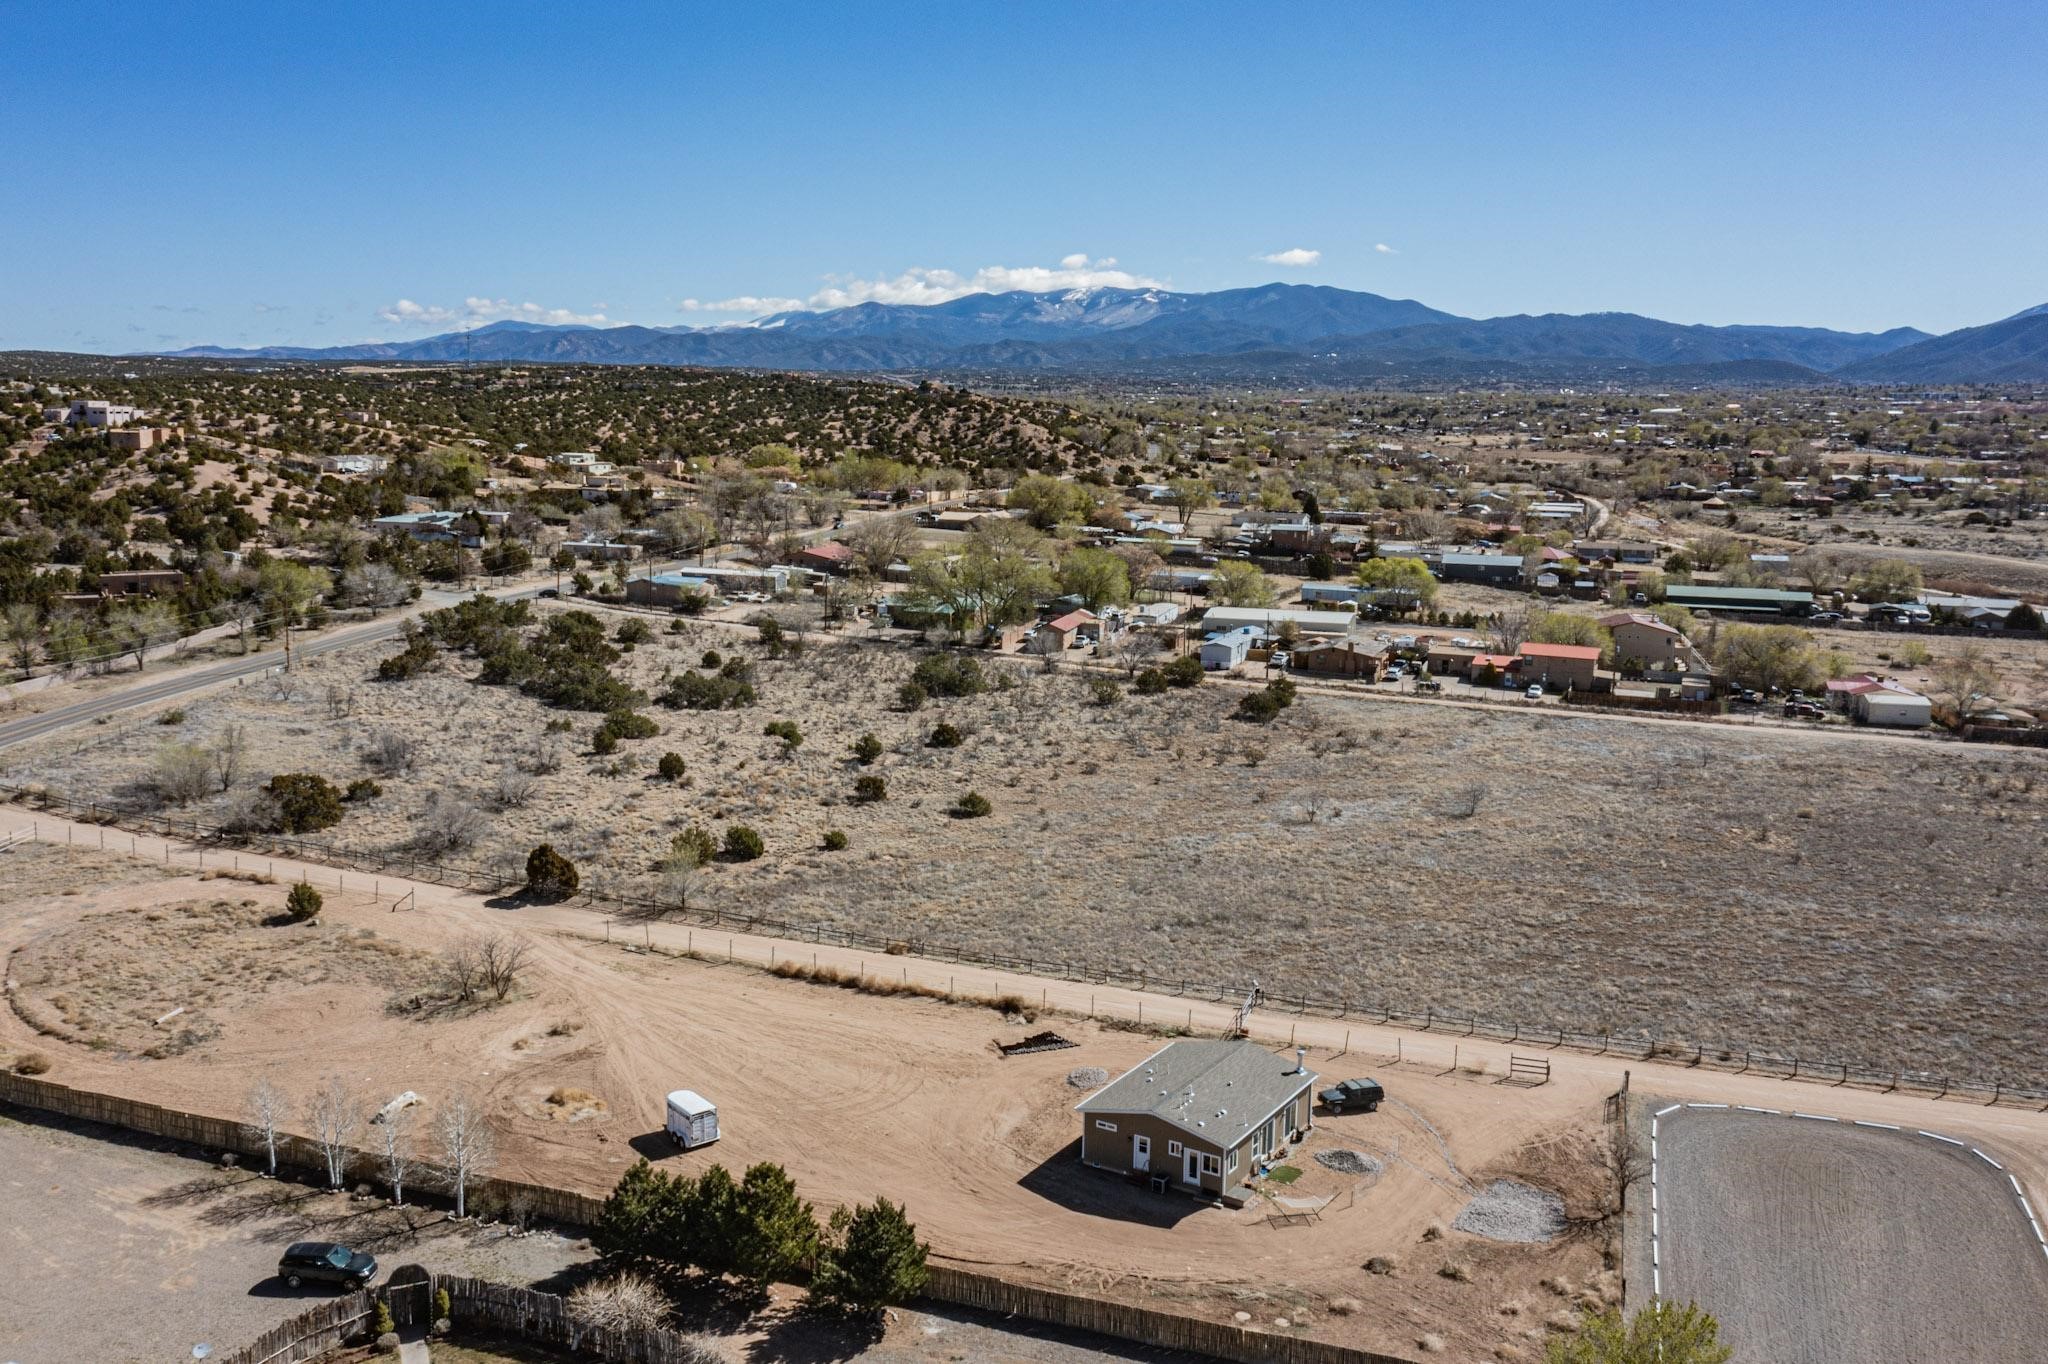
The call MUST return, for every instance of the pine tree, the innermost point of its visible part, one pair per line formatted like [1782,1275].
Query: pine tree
[872,1259]
[778,1234]
[636,1222]
[708,1232]
[1663,1333]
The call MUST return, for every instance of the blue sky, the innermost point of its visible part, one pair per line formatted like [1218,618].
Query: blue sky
[319,174]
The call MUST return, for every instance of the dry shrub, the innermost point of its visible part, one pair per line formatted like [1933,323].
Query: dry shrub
[1456,1271]
[1345,1307]
[1385,1265]
[1433,1232]
[626,1302]
[1430,1344]
[32,1063]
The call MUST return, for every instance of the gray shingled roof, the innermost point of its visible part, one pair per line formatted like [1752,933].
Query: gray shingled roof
[1212,1090]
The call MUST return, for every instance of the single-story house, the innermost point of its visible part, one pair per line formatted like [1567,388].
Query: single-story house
[1341,658]
[1318,593]
[1446,659]
[603,551]
[1067,631]
[1558,666]
[721,579]
[667,589]
[433,527]
[1202,1114]
[140,582]
[1480,665]
[1226,649]
[830,557]
[1876,700]
[1269,619]
[1498,570]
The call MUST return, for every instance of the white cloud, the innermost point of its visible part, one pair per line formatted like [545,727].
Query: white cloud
[920,285]
[476,312]
[1300,258]
[1384,249]
[751,305]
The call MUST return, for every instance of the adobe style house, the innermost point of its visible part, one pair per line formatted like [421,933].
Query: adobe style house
[1644,644]
[830,557]
[1201,1114]
[1342,658]
[1558,666]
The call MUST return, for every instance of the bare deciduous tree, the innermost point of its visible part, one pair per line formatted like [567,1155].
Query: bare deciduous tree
[267,1109]
[1510,629]
[228,752]
[501,958]
[333,1114]
[467,1147]
[393,752]
[512,789]
[395,1144]
[449,823]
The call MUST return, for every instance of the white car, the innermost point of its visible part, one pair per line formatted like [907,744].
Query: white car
[1535,692]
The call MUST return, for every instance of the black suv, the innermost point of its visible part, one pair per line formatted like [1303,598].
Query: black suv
[1362,1094]
[325,1262]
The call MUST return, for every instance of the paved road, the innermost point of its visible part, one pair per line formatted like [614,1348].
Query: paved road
[185,680]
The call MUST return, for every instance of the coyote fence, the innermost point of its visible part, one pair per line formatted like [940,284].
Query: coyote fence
[1737,1057]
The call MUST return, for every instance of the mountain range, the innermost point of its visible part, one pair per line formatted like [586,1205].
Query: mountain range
[1285,332]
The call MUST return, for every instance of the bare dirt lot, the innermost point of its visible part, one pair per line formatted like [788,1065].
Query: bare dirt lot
[177,1252]
[1825,1243]
[1845,896]
[858,1096]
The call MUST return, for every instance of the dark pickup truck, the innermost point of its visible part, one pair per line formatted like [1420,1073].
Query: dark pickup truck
[1359,1094]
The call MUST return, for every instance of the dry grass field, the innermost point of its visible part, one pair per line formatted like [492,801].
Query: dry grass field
[1841,895]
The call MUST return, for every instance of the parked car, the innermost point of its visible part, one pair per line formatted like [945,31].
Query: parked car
[1535,692]
[548,592]
[1803,710]
[1826,618]
[1364,1094]
[1280,659]
[325,1262]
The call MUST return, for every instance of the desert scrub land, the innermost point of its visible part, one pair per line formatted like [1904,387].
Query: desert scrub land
[106,980]
[1850,896]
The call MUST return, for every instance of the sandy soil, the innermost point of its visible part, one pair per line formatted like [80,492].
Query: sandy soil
[1832,1244]
[859,1096]
[1755,886]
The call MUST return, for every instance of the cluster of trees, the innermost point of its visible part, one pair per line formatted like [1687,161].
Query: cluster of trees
[334,1115]
[759,1231]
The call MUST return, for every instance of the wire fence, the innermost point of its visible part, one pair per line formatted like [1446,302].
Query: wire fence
[245,852]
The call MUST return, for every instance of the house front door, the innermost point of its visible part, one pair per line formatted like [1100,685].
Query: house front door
[1191,1166]
[1141,1153]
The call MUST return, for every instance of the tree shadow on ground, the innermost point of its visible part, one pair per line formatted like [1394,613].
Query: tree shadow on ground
[797,1335]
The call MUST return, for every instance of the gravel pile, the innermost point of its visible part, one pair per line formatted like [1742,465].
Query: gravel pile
[1509,1210]
[1087,1077]
[1348,1162]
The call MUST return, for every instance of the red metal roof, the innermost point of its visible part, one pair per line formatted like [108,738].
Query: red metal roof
[1070,621]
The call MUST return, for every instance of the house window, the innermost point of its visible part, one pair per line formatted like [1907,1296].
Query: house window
[1105,1126]
[1212,1165]
[1173,1148]
[1233,1159]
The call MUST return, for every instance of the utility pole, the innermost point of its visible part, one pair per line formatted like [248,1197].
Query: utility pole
[287,644]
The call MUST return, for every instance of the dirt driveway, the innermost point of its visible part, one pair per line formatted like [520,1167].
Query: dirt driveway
[1830,1243]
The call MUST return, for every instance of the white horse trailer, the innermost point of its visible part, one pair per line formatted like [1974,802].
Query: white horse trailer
[692,1119]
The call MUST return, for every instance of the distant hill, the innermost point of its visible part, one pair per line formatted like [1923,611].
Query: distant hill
[1274,331]
[2012,351]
